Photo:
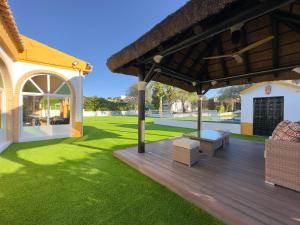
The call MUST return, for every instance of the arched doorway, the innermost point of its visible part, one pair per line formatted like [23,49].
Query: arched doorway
[45,113]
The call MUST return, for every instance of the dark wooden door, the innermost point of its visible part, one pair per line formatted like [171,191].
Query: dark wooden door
[267,113]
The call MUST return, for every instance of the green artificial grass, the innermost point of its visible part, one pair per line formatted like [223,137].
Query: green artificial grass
[249,137]
[78,181]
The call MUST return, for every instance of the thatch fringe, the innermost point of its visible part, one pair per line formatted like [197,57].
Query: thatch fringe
[9,20]
[191,13]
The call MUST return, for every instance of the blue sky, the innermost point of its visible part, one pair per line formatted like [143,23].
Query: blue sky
[92,30]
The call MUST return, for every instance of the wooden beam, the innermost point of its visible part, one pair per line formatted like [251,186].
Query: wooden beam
[292,26]
[150,73]
[252,74]
[292,21]
[176,75]
[186,78]
[288,17]
[205,91]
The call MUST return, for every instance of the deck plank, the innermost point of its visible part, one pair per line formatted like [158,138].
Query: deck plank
[230,185]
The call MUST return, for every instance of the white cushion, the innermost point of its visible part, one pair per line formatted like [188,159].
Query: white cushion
[186,143]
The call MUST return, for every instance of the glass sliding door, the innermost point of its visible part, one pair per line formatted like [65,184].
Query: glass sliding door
[35,110]
[59,110]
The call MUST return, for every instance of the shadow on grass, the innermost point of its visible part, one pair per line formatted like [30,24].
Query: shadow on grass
[78,181]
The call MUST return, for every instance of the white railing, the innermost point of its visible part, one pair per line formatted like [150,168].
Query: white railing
[211,115]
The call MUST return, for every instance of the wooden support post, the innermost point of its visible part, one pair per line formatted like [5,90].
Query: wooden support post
[199,121]
[141,113]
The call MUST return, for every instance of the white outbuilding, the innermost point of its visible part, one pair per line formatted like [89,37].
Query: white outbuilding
[266,104]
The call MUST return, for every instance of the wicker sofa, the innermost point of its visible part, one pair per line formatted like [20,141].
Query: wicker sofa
[282,163]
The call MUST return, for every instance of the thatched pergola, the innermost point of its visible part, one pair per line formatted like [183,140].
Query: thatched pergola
[215,43]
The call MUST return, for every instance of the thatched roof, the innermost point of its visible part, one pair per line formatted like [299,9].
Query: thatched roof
[204,19]
[191,13]
[11,25]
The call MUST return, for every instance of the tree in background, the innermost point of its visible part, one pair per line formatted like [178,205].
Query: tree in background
[183,96]
[170,95]
[91,103]
[133,92]
[102,104]
[220,108]
[230,97]
[159,93]
[211,105]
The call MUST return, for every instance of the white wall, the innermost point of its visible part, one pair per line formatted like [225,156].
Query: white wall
[291,101]
[45,132]
[20,68]
[17,70]
[3,136]
[229,127]
[36,133]
[177,107]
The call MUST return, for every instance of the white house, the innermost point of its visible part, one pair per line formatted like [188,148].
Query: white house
[177,107]
[40,87]
[264,105]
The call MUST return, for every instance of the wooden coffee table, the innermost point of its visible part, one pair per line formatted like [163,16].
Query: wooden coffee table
[210,140]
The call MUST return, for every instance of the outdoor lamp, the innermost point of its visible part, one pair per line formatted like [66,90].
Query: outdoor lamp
[89,66]
[158,58]
[214,82]
[297,70]
[75,63]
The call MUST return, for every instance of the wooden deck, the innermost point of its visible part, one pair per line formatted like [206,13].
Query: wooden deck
[230,185]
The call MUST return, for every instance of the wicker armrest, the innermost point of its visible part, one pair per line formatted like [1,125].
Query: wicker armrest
[282,149]
[282,163]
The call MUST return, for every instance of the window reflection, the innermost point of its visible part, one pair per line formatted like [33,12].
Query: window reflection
[59,110]
[35,110]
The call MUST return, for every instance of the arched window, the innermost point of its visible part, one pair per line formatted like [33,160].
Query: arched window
[46,101]
[1,102]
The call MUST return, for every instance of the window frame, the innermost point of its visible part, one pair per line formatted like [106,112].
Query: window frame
[48,95]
